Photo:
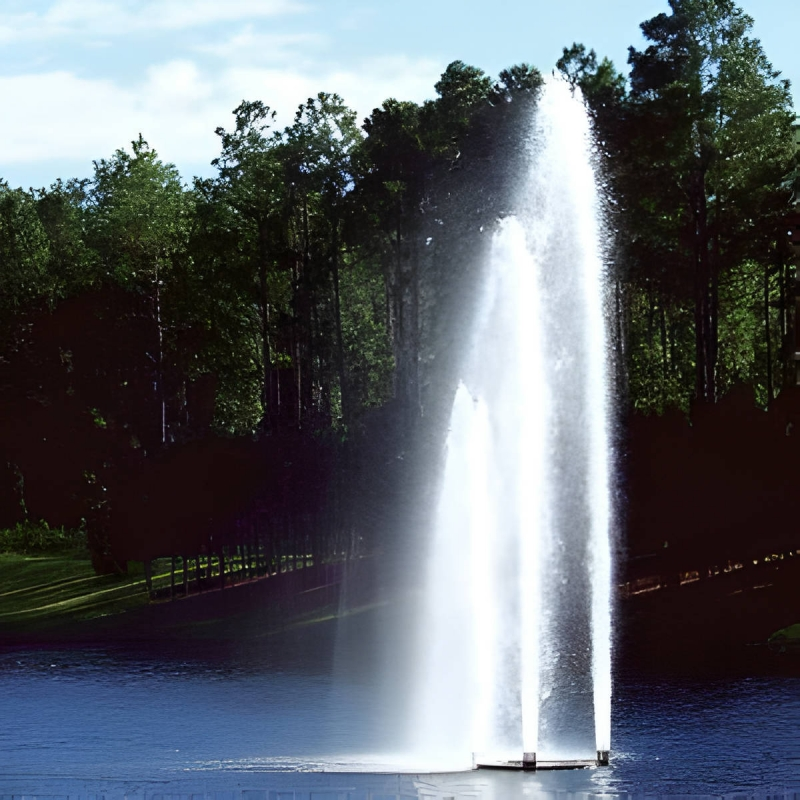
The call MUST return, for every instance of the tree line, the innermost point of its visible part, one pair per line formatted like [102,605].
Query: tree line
[294,300]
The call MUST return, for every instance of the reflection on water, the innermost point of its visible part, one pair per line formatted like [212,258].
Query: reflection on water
[277,720]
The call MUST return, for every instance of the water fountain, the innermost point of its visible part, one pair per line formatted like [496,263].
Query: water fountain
[515,661]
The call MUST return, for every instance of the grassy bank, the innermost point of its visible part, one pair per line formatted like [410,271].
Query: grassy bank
[713,625]
[47,581]
[52,594]
[55,588]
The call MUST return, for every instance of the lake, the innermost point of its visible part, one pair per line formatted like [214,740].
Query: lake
[303,714]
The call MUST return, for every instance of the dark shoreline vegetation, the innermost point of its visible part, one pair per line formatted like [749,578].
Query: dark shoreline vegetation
[247,378]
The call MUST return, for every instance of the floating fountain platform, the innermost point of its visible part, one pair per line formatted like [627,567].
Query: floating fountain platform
[529,763]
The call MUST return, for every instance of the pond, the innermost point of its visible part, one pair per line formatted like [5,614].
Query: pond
[302,714]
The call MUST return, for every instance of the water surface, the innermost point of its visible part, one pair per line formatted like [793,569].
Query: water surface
[277,715]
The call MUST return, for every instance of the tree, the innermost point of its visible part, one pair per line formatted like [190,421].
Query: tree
[223,308]
[599,81]
[710,129]
[139,217]
[62,212]
[250,183]
[462,89]
[516,79]
[24,251]
[24,285]
[322,171]
[393,190]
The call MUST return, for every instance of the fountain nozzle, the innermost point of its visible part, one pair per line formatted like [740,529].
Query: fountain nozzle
[529,761]
[602,758]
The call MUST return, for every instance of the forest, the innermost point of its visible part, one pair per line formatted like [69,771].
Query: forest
[263,359]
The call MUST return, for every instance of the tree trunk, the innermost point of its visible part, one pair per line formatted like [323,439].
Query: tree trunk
[699,335]
[705,350]
[308,392]
[782,350]
[662,320]
[416,399]
[713,339]
[296,350]
[266,354]
[787,272]
[148,577]
[619,333]
[651,313]
[767,334]
[160,395]
[337,310]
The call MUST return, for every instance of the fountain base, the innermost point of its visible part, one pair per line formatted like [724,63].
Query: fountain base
[529,762]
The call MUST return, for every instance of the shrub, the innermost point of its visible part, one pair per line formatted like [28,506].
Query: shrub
[29,537]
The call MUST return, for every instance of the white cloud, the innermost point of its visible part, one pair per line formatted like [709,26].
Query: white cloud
[173,14]
[59,115]
[363,87]
[176,89]
[177,106]
[359,18]
[381,78]
[250,46]
[55,115]
[68,18]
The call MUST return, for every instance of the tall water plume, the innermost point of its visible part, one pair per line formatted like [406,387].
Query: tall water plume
[516,626]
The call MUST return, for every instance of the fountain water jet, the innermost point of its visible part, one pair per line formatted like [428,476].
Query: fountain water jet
[516,627]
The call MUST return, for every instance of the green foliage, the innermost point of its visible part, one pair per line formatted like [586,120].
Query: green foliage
[249,164]
[708,147]
[62,213]
[393,172]
[660,341]
[24,251]
[791,633]
[271,235]
[98,418]
[138,216]
[220,308]
[27,538]
[368,352]
[320,146]
[246,206]
[747,318]
[462,89]
[236,364]
[517,79]
[598,80]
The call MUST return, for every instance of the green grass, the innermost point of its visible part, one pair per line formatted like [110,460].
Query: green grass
[48,588]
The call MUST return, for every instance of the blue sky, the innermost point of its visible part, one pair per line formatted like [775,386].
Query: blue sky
[81,78]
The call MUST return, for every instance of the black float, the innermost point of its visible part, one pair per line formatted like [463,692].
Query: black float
[530,763]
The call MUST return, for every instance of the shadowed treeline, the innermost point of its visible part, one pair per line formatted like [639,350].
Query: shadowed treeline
[201,496]
[716,488]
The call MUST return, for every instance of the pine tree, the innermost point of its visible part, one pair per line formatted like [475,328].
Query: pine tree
[711,144]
